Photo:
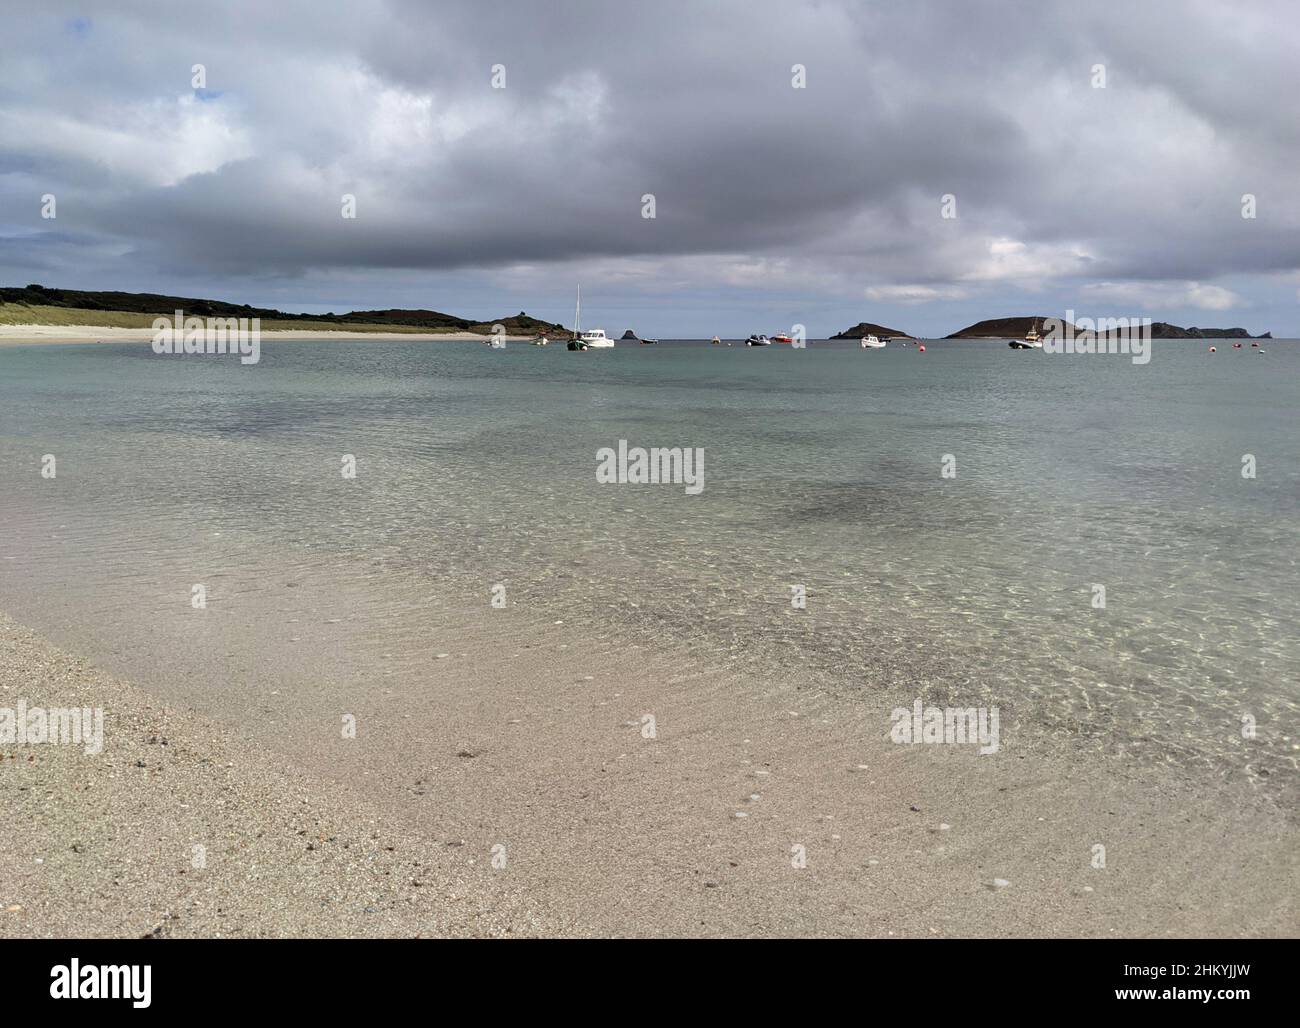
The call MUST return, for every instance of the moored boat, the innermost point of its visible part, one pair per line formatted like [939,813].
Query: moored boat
[592,339]
[1032,340]
[758,340]
[596,339]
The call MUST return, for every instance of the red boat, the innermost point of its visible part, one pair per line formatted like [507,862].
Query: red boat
[781,337]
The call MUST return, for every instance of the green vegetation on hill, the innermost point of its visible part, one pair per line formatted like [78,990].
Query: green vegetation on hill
[25,314]
[42,305]
[519,325]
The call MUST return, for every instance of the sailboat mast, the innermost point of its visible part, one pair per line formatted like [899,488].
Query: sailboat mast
[577,312]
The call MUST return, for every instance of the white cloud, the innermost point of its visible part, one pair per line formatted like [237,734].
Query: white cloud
[158,142]
[1164,295]
[914,294]
[1026,264]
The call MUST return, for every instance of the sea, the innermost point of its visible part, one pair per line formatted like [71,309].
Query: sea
[1106,550]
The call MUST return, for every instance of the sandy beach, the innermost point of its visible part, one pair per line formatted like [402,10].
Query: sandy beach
[32,335]
[533,752]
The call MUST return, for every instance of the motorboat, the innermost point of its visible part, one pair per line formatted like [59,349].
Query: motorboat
[596,339]
[1032,340]
[593,339]
[872,343]
[758,340]
[781,337]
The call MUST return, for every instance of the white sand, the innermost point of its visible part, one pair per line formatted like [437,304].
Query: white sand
[540,749]
[29,335]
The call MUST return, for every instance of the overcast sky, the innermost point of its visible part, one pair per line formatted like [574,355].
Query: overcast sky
[774,205]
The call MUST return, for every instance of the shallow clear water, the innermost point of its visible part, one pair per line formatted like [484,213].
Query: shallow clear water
[822,468]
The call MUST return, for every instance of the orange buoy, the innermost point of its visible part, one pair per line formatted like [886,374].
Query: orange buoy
[921,348]
[1213,350]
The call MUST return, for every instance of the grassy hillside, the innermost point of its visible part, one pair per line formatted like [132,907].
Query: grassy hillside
[45,305]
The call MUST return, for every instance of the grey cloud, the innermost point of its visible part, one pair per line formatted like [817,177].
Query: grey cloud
[691,102]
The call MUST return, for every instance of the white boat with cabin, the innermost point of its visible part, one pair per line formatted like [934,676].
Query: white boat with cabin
[1032,340]
[595,338]
[592,339]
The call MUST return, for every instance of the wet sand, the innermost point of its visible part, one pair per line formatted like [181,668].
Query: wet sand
[530,740]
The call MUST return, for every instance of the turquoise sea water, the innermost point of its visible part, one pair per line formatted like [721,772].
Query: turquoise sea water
[822,468]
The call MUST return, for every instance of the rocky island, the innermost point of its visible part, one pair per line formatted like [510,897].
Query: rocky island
[866,328]
[1015,328]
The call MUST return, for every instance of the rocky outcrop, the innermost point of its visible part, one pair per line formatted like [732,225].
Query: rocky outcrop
[866,328]
[1004,328]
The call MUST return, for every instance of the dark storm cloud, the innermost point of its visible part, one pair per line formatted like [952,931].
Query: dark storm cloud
[835,187]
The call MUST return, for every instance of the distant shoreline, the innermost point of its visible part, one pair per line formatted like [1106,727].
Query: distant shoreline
[38,307]
[37,335]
